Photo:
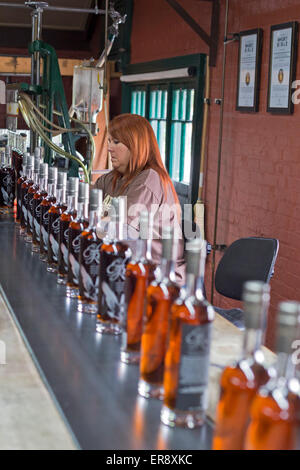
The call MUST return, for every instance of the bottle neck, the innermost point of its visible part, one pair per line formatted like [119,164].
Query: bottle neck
[167,271]
[140,250]
[82,210]
[285,367]
[29,174]
[61,195]
[94,218]
[43,183]
[72,202]
[51,189]
[36,178]
[252,341]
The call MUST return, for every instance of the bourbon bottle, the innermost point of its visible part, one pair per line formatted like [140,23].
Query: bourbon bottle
[187,357]
[46,203]
[24,190]
[55,212]
[30,194]
[8,181]
[139,274]
[89,257]
[274,413]
[114,256]
[3,207]
[160,295]
[37,199]
[76,227]
[64,221]
[240,381]
[21,180]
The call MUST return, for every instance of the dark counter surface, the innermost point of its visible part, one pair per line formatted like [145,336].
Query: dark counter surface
[96,393]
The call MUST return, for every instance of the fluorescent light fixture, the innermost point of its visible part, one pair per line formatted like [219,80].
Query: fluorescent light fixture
[164,74]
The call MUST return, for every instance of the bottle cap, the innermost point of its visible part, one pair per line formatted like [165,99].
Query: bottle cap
[83,193]
[7,150]
[24,160]
[256,298]
[72,188]
[30,162]
[37,162]
[96,196]
[61,180]
[43,173]
[52,175]
[167,243]
[119,206]
[3,158]
[38,151]
[144,225]
[288,323]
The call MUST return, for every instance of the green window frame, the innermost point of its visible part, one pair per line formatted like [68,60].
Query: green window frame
[174,108]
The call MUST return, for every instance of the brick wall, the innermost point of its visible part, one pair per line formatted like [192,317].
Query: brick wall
[260,171]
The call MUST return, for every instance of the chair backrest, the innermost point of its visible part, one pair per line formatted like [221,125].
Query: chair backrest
[246,259]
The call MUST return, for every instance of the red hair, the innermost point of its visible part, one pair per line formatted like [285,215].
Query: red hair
[137,134]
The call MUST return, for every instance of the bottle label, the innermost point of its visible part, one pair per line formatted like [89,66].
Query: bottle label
[54,247]
[193,367]
[7,190]
[90,271]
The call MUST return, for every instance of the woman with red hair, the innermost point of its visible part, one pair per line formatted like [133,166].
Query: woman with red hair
[139,173]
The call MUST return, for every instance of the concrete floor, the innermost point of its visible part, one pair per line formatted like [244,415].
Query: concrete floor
[30,419]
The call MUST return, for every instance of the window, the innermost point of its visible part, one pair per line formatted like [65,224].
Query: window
[173,107]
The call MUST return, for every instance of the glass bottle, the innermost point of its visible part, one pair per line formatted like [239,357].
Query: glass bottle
[55,212]
[274,414]
[188,351]
[89,257]
[114,256]
[24,190]
[17,161]
[46,203]
[76,227]
[160,295]
[139,274]
[36,210]
[7,181]
[240,381]
[64,221]
[30,194]
[3,207]
[21,180]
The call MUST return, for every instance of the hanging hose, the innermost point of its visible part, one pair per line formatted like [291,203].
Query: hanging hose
[219,158]
[27,107]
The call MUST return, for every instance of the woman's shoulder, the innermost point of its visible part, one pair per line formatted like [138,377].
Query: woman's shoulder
[103,180]
[150,179]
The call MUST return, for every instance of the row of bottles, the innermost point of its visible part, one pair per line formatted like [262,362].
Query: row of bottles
[117,280]
[259,406]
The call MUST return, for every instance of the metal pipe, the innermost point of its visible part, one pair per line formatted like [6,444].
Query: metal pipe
[36,21]
[219,157]
[96,11]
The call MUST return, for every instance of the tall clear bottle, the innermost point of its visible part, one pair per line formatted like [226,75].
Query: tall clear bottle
[30,194]
[8,181]
[160,295]
[24,191]
[240,381]
[139,274]
[89,257]
[114,256]
[187,357]
[21,180]
[46,203]
[274,413]
[40,194]
[64,221]
[55,212]
[76,227]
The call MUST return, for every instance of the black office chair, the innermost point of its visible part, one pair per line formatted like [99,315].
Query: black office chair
[246,259]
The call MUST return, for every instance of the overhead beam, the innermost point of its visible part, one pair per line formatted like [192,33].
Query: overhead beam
[22,65]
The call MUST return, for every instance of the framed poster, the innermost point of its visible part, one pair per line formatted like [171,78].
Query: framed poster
[249,70]
[282,67]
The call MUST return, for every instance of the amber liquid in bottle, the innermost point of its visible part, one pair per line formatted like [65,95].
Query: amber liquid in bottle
[139,274]
[20,181]
[89,258]
[160,295]
[55,212]
[274,414]
[45,205]
[114,257]
[30,207]
[76,227]
[64,221]
[36,209]
[24,191]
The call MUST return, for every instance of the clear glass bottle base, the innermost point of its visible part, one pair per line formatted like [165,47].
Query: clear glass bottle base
[130,357]
[35,248]
[61,279]
[72,292]
[148,390]
[185,419]
[108,328]
[86,307]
